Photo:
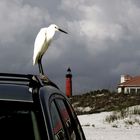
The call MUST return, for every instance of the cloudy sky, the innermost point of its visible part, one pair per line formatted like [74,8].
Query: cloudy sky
[103,40]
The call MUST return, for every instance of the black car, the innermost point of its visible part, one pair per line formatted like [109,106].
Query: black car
[34,108]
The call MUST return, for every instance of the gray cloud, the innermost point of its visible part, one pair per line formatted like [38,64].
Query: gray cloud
[102,44]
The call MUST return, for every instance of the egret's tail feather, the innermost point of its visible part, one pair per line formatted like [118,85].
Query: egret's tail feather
[34,61]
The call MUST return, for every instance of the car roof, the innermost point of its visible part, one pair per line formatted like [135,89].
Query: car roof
[18,87]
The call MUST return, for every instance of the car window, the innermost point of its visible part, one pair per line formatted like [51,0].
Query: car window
[67,119]
[18,123]
[75,121]
[58,129]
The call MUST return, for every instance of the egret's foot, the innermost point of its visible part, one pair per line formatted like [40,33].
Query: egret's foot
[47,81]
[44,78]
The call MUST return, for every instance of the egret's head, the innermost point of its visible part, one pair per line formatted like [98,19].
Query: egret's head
[56,28]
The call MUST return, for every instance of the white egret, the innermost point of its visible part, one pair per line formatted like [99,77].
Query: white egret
[42,42]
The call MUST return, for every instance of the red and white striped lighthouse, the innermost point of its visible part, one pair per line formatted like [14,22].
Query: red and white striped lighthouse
[68,83]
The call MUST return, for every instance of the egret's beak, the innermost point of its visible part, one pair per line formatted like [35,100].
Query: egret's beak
[62,31]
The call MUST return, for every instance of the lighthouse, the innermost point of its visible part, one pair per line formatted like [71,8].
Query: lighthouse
[68,83]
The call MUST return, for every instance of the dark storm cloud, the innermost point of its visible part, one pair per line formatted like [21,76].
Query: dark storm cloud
[102,44]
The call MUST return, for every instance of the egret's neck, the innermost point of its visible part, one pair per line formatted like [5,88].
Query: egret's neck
[50,33]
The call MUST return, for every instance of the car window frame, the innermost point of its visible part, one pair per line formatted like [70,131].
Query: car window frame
[67,120]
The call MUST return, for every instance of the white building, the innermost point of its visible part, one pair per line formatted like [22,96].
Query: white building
[129,84]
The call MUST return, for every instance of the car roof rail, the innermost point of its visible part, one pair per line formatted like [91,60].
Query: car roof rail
[25,79]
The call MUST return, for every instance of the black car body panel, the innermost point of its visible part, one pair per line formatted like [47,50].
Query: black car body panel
[32,107]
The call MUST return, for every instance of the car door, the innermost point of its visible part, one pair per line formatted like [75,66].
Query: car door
[54,124]
[61,120]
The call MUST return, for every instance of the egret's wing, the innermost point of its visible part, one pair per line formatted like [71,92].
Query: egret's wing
[38,45]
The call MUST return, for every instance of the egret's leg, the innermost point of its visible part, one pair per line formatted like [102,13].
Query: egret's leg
[40,67]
